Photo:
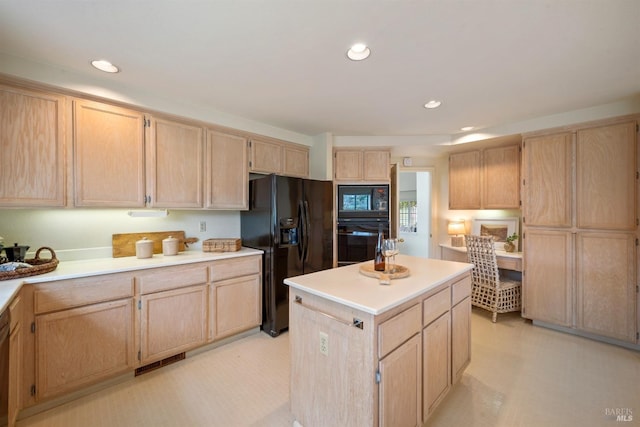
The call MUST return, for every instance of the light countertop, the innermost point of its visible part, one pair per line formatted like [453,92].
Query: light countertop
[499,252]
[94,267]
[347,286]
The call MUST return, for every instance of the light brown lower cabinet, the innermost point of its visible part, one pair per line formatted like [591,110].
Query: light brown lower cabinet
[15,360]
[90,329]
[400,394]
[391,369]
[235,298]
[460,328]
[172,322]
[83,345]
[436,362]
[237,305]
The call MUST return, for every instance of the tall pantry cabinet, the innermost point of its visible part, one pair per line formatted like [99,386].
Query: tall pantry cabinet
[580,223]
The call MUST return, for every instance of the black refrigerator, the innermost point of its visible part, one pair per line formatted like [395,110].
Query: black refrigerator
[291,220]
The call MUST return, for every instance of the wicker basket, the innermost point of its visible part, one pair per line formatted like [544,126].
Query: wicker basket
[221,245]
[38,266]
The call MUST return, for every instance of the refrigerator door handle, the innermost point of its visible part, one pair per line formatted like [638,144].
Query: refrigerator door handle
[307,228]
[303,232]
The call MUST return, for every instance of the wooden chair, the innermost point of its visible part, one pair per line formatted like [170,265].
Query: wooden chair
[489,291]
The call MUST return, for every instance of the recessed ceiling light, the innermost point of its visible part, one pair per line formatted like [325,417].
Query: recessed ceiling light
[358,52]
[105,66]
[466,128]
[433,104]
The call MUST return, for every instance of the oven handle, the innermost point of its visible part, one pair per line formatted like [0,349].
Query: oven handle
[357,233]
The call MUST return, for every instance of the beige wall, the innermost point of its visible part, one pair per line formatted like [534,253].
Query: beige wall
[86,233]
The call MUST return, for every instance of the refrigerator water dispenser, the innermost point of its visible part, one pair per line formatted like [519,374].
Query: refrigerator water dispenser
[288,232]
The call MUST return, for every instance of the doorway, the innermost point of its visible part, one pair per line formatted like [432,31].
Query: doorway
[414,211]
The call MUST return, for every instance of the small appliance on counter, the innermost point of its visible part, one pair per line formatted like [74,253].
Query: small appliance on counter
[16,253]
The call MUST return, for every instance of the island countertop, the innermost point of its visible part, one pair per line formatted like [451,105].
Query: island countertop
[347,286]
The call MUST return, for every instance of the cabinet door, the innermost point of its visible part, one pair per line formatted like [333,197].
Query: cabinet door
[32,163]
[400,385]
[547,184]
[460,338]
[347,165]
[501,184]
[108,155]
[83,345]
[436,373]
[227,171]
[376,165]
[606,284]
[464,180]
[295,161]
[172,322]
[175,159]
[606,177]
[15,374]
[236,305]
[548,265]
[15,360]
[266,157]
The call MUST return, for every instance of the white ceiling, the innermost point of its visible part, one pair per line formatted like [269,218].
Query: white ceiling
[283,62]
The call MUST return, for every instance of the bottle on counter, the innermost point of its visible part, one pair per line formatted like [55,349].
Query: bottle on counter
[378,262]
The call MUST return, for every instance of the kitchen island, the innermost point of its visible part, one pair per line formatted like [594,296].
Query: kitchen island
[367,354]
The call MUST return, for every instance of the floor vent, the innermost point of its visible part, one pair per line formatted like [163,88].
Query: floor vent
[159,364]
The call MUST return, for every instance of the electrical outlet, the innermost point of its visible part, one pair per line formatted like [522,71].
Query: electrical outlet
[324,343]
[203,226]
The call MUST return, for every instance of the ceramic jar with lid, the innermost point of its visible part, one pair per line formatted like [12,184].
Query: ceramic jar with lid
[144,248]
[170,246]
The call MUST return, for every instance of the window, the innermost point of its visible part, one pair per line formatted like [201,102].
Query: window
[408,216]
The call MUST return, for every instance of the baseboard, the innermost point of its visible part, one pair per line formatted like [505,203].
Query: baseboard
[583,334]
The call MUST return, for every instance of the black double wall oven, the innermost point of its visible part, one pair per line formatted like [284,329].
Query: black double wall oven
[363,210]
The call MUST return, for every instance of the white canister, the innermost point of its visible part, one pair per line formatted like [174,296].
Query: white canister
[170,246]
[144,248]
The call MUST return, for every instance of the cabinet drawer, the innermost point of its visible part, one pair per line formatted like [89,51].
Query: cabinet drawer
[460,290]
[162,279]
[82,291]
[435,306]
[510,263]
[235,267]
[393,332]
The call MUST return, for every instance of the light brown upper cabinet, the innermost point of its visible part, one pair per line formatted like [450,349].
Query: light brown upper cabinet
[606,177]
[464,180]
[227,171]
[501,180]
[295,161]
[32,137]
[175,160]
[111,169]
[361,164]
[547,184]
[279,157]
[109,155]
[485,179]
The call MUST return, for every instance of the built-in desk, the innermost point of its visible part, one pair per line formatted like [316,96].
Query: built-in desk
[506,260]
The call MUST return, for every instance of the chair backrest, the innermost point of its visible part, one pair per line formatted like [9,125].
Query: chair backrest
[482,254]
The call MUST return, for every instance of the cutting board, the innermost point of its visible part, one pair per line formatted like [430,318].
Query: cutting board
[125,244]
